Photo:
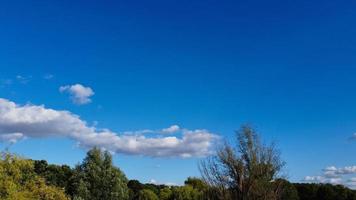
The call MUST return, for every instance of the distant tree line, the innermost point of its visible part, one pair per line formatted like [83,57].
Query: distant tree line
[249,170]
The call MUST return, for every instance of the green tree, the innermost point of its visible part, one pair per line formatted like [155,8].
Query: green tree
[97,179]
[328,192]
[57,175]
[18,180]
[186,192]
[134,186]
[289,191]
[165,194]
[153,187]
[196,183]
[147,194]
[307,191]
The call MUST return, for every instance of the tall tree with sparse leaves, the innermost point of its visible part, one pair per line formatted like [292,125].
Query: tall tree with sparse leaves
[245,171]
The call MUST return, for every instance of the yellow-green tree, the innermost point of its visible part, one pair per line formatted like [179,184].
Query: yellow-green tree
[165,194]
[146,194]
[19,181]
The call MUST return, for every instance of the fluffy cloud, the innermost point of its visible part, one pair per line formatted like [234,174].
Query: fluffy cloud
[171,129]
[34,121]
[79,94]
[332,170]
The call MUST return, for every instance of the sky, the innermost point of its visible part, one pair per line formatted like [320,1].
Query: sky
[160,83]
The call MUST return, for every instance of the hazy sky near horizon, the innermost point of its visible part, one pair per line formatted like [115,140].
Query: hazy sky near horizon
[159,82]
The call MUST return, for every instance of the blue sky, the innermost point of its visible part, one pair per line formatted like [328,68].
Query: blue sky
[286,67]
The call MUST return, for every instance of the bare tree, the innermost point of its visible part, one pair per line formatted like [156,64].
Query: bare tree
[246,171]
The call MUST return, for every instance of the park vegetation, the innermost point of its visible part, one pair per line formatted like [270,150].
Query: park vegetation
[248,170]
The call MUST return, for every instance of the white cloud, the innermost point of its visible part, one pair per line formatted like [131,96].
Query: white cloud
[351,183]
[35,121]
[155,182]
[11,137]
[332,170]
[331,174]
[313,178]
[171,129]
[322,179]
[335,181]
[334,175]
[79,94]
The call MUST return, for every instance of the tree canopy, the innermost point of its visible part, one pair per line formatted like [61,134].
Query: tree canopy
[96,178]
[18,180]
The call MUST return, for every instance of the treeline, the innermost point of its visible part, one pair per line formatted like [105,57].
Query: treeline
[247,171]
[96,178]
[324,191]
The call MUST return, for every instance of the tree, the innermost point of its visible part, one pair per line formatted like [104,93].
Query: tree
[57,175]
[307,191]
[134,188]
[196,183]
[152,187]
[246,171]
[147,194]
[289,191]
[165,194]
[186,192]
[96,178]
[18,180]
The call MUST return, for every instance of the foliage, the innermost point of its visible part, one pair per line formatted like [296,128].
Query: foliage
[96,178]
[18,180]
[57,175]
[245,171]
[196,183]
[324,192]
[134,188]
[186,192]
[147,194]
[288,192]
[165,194]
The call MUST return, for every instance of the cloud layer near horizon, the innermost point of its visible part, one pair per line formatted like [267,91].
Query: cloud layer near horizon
[34,121]
[334,175]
